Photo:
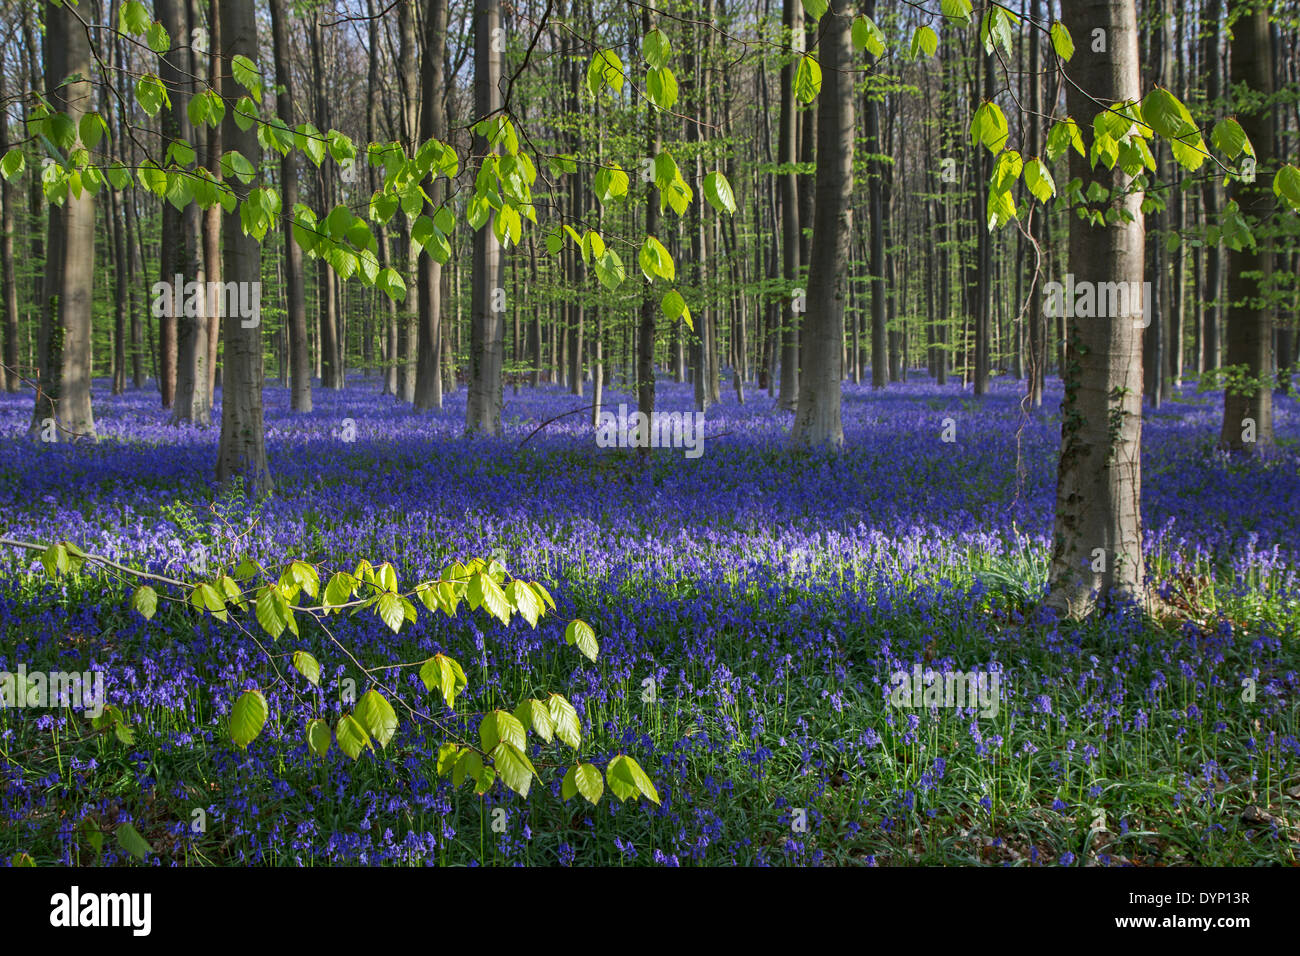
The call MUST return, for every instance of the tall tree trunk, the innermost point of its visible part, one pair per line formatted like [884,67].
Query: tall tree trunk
[1035,317]
[1248,406]
[63,410]
[984,253]
[645,352]
[1154,336]
[330,352]
[242,451]
[180,255]
[9,372]
[817,419]
[177,260]
[483,407]
[1098,528]
[787,154]
[295,294]
[433,125]
[212,215]
[1213,66]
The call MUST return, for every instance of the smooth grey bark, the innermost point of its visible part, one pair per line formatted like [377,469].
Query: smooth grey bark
[1212,57]
[433,125]
[300,399]
[817,419]
[180,249]
[1155,339]
[788,183]
[64,346]
[645,351]
[1037,321]
[242,450]
[212,216]
[1248,407]
[330,348]
[1097,535]
[485,400]
[9,372]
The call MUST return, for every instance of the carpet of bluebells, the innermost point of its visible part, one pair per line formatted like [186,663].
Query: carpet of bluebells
[751,605]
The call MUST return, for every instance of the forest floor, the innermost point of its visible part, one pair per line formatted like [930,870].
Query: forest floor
[752,607]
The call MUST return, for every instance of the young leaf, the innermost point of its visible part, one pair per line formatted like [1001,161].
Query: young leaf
[585,779]
[377,716]
[536,716]
[131,840]
[514,767]
[499,725]
[145,600]
[1038,179]
[609,270]
[718,192]
[567,726]
[352,737]
[628,780]
[248,717]
[655,48]
[318,737]
[807,79]
[581,634]
[867,36]
[1062,42]
[307,666]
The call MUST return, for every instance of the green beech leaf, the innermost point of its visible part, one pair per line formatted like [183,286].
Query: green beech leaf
[581,634]
[248,717]
[352,737]
[513,767]
[718,192]
[567,726]
[307,666]
[318,737]
[377,716]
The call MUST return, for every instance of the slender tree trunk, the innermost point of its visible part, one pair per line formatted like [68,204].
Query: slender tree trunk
[483,407]
[1248,405]
[190,389]
[787,154]
[645,353]
[433,124]
[817,419]
[9,371]
[1213,67]
[63,410]
[295,294]
[1098,528]
[242,451]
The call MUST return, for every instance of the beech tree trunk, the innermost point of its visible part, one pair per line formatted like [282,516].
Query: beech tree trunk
[242,451]
[483,407]
[1248,404]
[817,419]
[1097,551]
[433,125]
[787,153]
[63,410]
[9,372]
[1213,66]
[180,255]
[295,295]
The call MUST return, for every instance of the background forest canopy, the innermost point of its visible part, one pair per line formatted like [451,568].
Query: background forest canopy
[440,195]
